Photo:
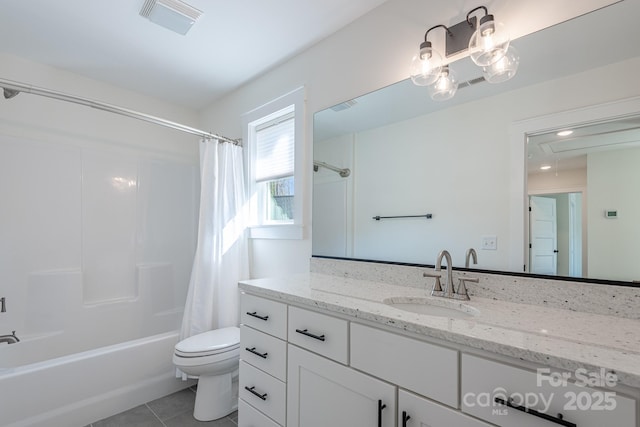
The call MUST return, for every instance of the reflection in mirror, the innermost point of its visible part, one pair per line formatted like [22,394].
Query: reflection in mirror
[409,156]
[582,185]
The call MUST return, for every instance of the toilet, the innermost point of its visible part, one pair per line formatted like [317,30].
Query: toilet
[213,357]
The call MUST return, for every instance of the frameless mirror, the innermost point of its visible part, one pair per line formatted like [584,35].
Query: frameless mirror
[426,176]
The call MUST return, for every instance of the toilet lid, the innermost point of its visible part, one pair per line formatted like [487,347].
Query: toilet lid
[211,342]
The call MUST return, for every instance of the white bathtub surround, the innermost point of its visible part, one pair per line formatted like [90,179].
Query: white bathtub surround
[549,336]
[221,257]
[619,301]
[81,388]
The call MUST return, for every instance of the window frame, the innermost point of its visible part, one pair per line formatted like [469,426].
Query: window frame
[279,107]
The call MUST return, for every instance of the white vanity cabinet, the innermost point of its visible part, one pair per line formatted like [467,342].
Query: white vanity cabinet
[315,369]
[414,411]
[487,384]
[322,393]
[263,362]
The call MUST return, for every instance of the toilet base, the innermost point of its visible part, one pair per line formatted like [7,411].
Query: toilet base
[214,397]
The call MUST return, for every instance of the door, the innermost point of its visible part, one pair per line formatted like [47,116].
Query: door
[543,235]
[324,393]
[416,411]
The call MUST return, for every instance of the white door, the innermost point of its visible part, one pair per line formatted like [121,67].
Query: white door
[543,235]
[323,393]
[414,411]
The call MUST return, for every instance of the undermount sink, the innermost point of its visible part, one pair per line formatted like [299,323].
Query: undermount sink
[433,307]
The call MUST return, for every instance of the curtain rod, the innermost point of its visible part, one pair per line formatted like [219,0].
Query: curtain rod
[12,88]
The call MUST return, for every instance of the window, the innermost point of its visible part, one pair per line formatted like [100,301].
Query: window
[274,134]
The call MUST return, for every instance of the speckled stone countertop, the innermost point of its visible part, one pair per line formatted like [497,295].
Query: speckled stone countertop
[549,336]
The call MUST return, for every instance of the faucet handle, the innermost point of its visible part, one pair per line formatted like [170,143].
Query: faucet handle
[461,292]
[437,287]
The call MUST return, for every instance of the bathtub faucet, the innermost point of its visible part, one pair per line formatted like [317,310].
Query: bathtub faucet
[9,339]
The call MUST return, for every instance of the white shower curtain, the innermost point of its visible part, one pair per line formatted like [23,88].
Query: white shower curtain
[221,257]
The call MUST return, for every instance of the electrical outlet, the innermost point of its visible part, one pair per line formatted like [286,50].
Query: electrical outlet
[489,243]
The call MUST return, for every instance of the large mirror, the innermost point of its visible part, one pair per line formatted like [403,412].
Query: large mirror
[425,176]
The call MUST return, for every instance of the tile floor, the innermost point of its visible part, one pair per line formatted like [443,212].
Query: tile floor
[175,410]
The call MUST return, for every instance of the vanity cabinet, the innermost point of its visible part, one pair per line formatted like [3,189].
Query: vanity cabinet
[487,384]
[313,369]
[263,363]
[414,410]
[321,393]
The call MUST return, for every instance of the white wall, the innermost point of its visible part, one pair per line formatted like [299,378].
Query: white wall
[98,213]
[613,182]
[372,52]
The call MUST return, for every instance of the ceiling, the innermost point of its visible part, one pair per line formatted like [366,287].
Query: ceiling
[232,42]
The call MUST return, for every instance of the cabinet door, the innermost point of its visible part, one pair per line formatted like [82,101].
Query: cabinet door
[416,411]
[323,393]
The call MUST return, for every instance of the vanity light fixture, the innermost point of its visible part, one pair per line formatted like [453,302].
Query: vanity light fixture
[487,42]
[545,167]
[564,133]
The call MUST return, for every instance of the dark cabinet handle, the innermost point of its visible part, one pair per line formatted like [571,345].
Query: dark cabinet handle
[557,420]
[253,350]
[405,417]
[380,408]
[309,334]
[255,393]
[257,316]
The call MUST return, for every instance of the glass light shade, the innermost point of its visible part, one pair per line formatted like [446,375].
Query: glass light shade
[426,67]
[504,68]
[445,86]
[489,42]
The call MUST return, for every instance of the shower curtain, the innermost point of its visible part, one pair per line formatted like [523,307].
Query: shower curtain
[221,257]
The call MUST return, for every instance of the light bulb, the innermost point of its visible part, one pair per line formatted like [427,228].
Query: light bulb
[445,86]
[489,43]
[504,68]
[426,65]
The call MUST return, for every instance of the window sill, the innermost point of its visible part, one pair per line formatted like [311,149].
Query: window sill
[284,232]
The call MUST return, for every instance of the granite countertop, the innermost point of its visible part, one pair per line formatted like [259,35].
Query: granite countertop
[554,337]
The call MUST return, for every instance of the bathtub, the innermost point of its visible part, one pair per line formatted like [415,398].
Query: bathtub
[78,389]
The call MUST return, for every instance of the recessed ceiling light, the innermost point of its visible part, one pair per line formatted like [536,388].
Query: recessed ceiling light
[564,133]
[174,15]
[545,167]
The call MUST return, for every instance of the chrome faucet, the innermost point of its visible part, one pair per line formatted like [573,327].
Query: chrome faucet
[3,307]
[449,291]
[9,339]
[471,253]
[448,287]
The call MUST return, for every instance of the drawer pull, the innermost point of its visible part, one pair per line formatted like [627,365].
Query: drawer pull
[257,316]
[253,350]
[380,408]
[557,420]
[405,417]
[255,393]
[309,334]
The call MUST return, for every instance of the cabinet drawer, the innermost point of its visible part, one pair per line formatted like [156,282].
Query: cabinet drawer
[264,315]
[248,416]
[423,412]
[264,352]
[319,333]
[484,381]
[424,368]
[263,392]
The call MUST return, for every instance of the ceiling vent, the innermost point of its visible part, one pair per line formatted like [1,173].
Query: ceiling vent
[344,105]
[174,15]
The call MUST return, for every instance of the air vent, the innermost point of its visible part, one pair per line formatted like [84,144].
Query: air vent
[471,82]
[344,105]
[174,15]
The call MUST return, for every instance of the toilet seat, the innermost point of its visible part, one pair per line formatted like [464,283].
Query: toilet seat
[224,343]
